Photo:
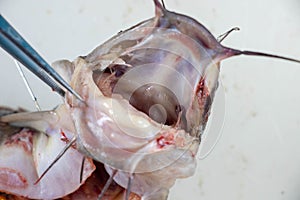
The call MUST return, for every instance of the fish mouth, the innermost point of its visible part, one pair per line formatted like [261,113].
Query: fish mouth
[168,98]
[153,99]
[164,71]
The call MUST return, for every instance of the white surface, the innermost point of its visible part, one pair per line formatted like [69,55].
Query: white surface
[258,155]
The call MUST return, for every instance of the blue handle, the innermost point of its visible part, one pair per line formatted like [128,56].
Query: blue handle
[12,42]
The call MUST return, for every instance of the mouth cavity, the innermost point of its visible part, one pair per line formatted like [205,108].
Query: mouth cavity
[155,100]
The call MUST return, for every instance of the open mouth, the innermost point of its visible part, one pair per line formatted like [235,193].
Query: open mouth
[159,83]
[155,100]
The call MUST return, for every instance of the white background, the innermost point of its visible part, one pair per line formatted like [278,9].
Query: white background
[258,154]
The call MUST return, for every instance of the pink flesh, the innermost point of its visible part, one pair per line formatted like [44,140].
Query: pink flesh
[12,178]
[20,165]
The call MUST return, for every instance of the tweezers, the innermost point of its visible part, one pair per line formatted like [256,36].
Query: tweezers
[13,43]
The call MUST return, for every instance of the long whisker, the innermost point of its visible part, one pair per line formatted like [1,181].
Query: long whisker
[107,184]
[253,53]
[63,151]
[224,35]
[128,190]
[163,4]
[234,52]
[81,170]
[33,97]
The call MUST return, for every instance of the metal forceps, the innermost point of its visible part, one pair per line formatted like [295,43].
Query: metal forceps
[13,43]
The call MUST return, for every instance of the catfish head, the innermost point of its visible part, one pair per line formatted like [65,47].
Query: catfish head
[156,79]
[147,96]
